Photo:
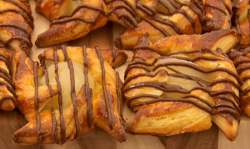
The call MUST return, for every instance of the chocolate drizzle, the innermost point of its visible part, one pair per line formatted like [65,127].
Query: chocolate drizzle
[54,126]
[161,29]
[222,108]
[36,102]
[87,89]
[187,16]
[170,23]
[62,123]
[224,103]
[192,66]
[106,94]
[175,3]
[65,53]
[73,95]
[140,5]
[45,72]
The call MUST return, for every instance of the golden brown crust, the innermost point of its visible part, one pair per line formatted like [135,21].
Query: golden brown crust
[51,125]
[164,85]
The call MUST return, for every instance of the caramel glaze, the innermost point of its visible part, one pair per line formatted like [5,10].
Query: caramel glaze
[7,79]
[68,18]
[24,12]
[226,106]
[88,95]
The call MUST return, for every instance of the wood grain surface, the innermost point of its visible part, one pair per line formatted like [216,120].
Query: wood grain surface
[99,139]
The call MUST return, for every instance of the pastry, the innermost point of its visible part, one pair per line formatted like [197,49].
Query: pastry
[16,24]
[7,93]
[87,16]
[241,21]
[175,89]
[67,95]
[241,61]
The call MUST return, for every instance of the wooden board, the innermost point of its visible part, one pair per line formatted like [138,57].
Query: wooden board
[99,139]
